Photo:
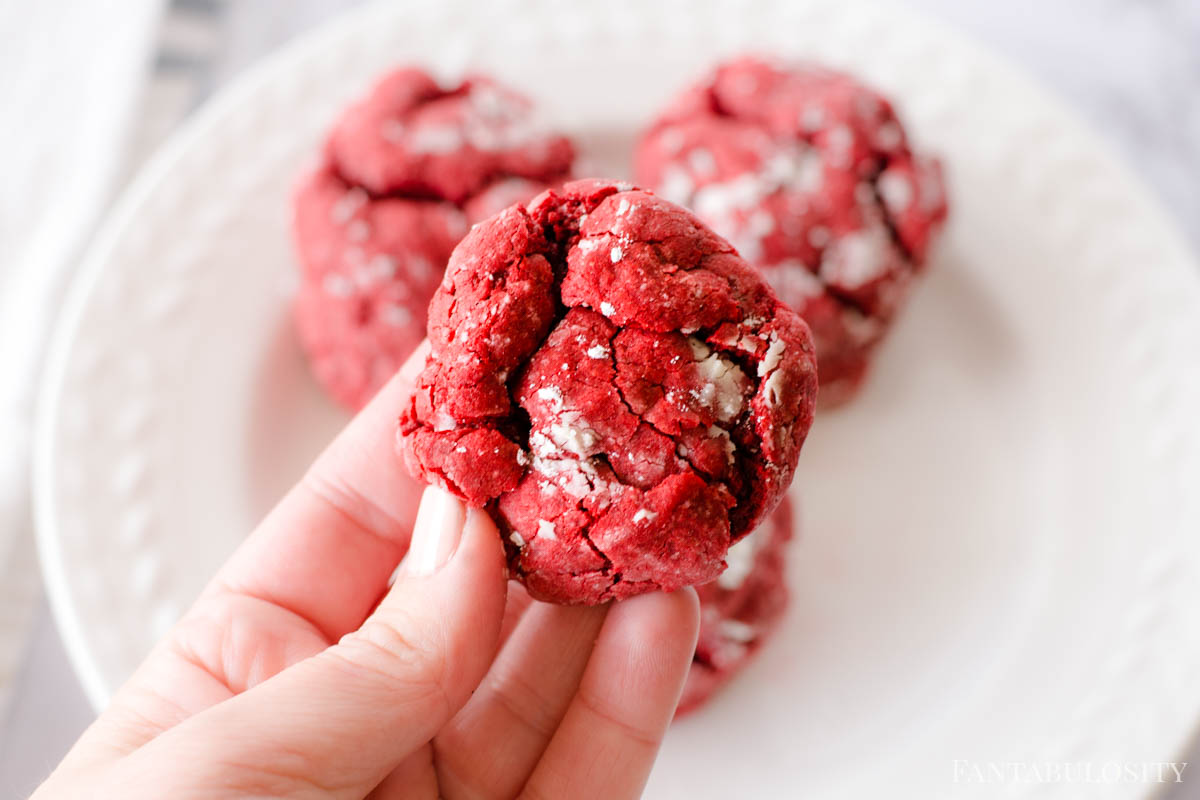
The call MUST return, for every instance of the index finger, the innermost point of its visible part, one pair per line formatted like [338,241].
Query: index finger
[326,551]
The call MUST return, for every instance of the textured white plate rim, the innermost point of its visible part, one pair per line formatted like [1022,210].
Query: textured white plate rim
[58,583]
[157,167]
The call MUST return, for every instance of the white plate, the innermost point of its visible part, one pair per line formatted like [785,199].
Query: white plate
[999,559]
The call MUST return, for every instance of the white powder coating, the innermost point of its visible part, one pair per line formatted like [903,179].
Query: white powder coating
[551,395]
[733,207]
[577,477]
[644,514]
[749,240]
[841,142]
[606,308]
[671,140]
[492,104]
[740,338]
[812,119]
[793,282]
[379,269]
[740,561]
[570,474]
[587,245]
[723,200]
[798,168]
[623,207]
[347,205]
[773,356]
[546,530]
[597,351]
[862,329]
[720,433]
[857,258]
[773,389]
[570,435]
[419,267]
[723,384]
[896,191]
[337,285]
[616,254]
[396,315]
[565,434]
[676,186]
[435,140]
[702,162]
[492,121]
[517,539]
[748,247]
[760,223]
[737,631]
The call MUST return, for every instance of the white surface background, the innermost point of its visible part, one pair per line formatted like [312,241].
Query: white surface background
[1130,67]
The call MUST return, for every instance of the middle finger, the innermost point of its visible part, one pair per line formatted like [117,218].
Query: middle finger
[492,745]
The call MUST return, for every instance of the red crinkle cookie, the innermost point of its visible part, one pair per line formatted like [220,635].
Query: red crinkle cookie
[810,175]
[741,609]
[620,390]
[405,172]
[412,136]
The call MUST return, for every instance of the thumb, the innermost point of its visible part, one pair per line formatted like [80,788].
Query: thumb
[345,718]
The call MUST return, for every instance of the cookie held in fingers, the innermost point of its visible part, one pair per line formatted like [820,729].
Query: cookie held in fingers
[616,386]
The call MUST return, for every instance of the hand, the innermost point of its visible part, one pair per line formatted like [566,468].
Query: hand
[300,673]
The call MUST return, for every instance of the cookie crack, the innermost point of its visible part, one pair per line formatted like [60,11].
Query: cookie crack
[674,438]
[889,219]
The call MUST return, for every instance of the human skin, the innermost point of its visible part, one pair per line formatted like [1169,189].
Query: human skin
[299,672]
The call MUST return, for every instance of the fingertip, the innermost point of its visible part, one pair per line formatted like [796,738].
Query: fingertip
[626,699]
[416,360]
[672,615]
[481,545]
[655,637]
[471,589]
[437,531]
[689,602]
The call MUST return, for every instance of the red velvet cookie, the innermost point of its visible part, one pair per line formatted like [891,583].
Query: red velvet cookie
[412,136]
[740,609]
[369,269]
[810,175]
[616,386]
[405,171]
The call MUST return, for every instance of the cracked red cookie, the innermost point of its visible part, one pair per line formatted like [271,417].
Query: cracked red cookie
[404,173]
[616,386]
[810,175]
[412,136]
[740,609]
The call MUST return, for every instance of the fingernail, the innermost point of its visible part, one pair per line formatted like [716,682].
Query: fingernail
[436,533]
